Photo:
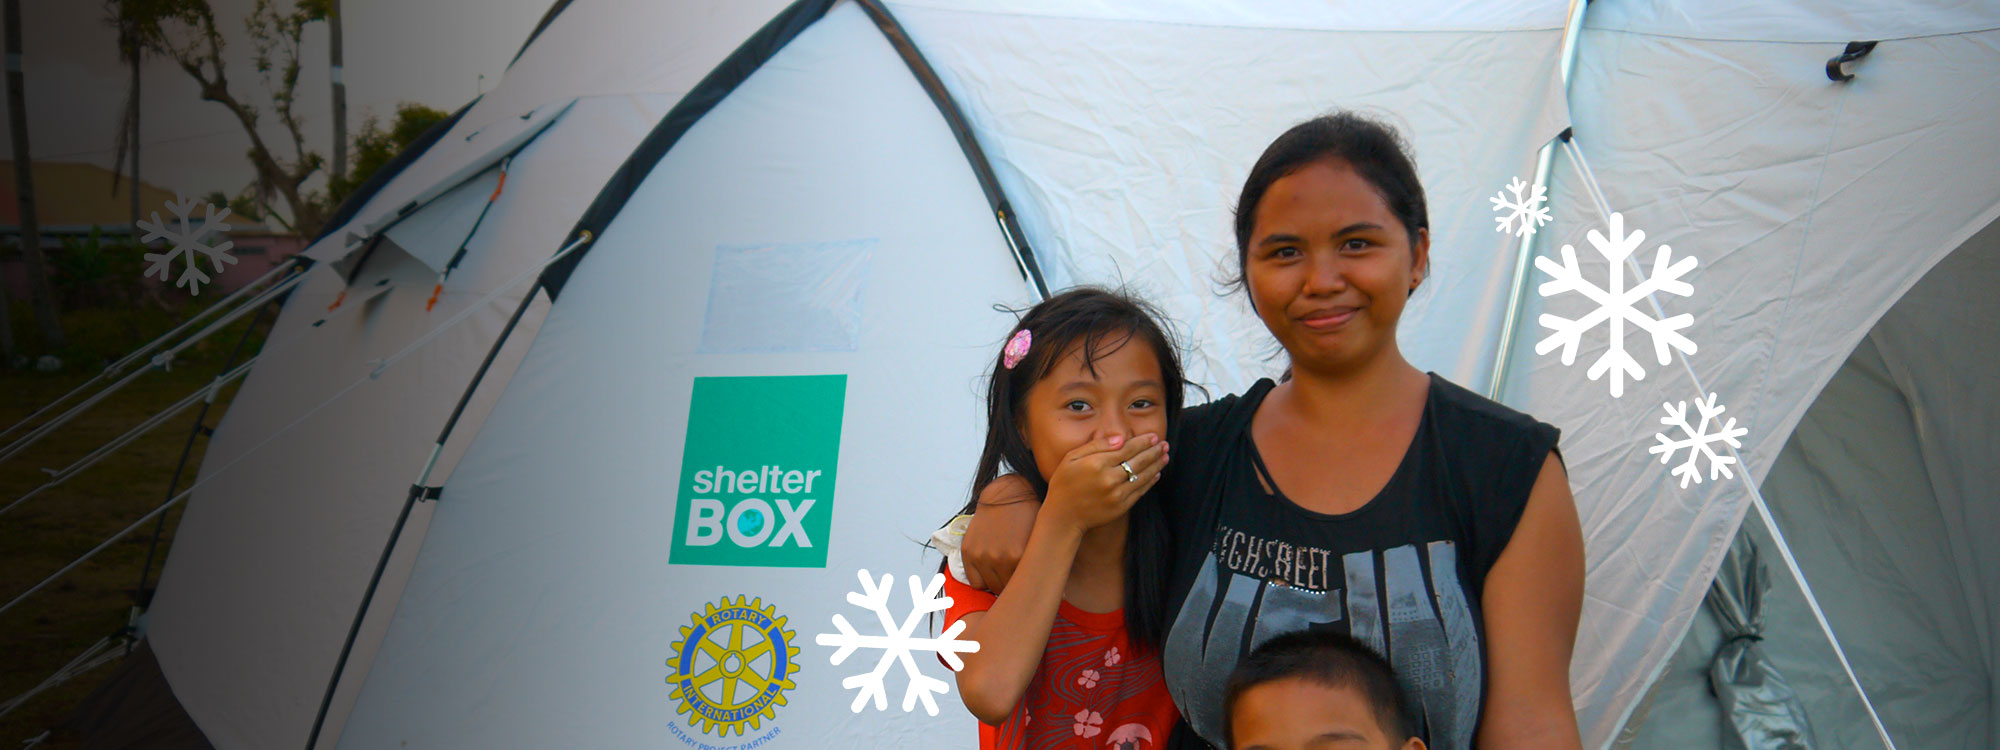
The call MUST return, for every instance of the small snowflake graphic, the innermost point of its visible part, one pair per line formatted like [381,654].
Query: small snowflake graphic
[1616,304]
[1528,211]
[897,643]
[188,238]
[1699,441]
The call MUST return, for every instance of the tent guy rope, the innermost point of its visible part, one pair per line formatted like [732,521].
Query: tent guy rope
[1596,191]
[380,367]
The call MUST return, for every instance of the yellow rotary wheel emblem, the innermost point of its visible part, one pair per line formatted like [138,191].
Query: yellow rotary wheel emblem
[732,666]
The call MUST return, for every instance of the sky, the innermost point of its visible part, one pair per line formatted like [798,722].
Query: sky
[431,52]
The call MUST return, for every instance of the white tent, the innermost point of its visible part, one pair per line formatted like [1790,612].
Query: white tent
[1814,207]
[302,486]
[821,218]
[1882,491]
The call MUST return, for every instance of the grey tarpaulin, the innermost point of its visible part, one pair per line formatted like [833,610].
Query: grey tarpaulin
[1760,709]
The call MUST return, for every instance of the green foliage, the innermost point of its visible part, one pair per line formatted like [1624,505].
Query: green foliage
[93,272]
[375,146]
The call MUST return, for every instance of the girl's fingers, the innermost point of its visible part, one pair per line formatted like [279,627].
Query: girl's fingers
[1137,445]
[1150,459]
[1134,489]
[1112,444]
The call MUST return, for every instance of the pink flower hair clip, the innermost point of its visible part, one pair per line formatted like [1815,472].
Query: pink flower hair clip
[1017,347]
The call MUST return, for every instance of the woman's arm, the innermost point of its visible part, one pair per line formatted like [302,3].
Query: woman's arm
[998,535]
[1014,633]
[1533,597]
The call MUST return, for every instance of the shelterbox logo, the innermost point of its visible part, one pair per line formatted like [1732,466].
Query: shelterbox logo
[757,471]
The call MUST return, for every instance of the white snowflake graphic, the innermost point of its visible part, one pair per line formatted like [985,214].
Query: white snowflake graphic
[897,644]
[189,238]
[1700,442]
[1616,305]
[1528,210]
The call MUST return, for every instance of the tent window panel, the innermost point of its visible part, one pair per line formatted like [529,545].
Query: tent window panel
[800,297]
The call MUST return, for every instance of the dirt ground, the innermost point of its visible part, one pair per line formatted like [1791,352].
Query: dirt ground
[62,522]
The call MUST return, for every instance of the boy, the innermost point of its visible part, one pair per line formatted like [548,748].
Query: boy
[1316,690]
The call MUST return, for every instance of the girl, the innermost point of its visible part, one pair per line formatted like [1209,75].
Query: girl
[1079,404]
[1361,494]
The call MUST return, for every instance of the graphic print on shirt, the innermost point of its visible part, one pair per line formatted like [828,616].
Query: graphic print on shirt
[1094,690]
[1251,589]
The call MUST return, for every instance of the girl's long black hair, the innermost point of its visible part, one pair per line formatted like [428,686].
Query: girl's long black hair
[1095,322]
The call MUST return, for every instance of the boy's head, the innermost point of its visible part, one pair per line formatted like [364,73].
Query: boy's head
[1313,690]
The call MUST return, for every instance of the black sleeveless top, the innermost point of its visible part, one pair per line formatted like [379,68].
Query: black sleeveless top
[1402,573]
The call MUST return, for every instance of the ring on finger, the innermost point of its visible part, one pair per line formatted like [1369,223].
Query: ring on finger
[1130,475]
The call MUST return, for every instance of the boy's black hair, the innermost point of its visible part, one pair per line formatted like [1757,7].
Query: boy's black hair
[1095,322]
[1328,658]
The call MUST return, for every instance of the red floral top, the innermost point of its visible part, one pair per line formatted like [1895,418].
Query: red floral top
[1093,691]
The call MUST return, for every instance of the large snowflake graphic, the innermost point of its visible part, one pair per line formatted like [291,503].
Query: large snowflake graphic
[1699,441]
[1526,208]
[188,238]
[1616,304]
[897,644]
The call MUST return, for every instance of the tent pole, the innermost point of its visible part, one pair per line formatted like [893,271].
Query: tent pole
[1502,354]
[1589,180]
[418,491]
[421,491]
[961,130]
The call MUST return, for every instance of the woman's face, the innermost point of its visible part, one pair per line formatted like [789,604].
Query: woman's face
[1329,267]
[1072,405]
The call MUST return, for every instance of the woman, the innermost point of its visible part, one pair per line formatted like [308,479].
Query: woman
[1360,494]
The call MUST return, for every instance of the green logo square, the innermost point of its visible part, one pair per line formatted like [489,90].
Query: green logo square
[758,470]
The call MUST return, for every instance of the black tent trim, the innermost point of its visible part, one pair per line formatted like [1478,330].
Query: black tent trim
[548,17]
[348,208]
[713,88]
[732,72]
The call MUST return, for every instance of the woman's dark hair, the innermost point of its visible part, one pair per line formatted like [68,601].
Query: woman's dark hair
[1327,658]
[1095,322]
[1375,151]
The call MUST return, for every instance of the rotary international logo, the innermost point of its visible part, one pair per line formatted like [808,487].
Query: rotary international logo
[732,666]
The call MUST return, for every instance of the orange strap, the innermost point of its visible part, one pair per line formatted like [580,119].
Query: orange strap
[434,296]
[499,187]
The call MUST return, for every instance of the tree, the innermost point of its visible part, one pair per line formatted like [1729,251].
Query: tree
[24,184]
[375,146]
[185,32]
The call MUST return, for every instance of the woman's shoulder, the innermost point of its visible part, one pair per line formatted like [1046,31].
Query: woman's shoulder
[1220,416]
[1467,413]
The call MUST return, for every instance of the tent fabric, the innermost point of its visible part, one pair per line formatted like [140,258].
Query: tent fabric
[544,599]
[1783,185]
[1123,143]
[135,708]
[434,235]
[1806,21]
[389,171]
[1761,711]
[436,172]
[829,143]
[257,594]
[1344,15]
[1883,492]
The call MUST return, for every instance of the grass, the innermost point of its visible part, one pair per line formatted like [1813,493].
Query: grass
[53,626]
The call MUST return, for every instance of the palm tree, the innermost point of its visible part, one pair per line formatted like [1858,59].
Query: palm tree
[39,293]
